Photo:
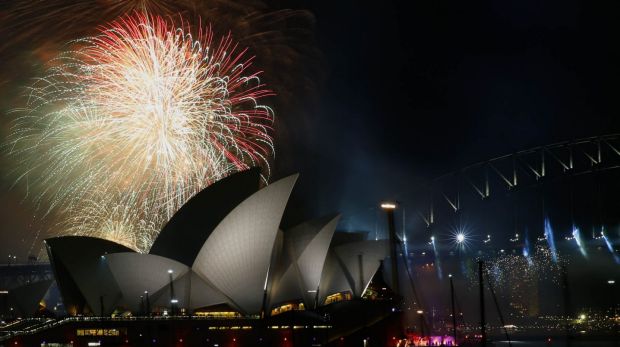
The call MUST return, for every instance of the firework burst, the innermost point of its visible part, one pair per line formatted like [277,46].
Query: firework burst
[507,269]
[123,217]
[143,115]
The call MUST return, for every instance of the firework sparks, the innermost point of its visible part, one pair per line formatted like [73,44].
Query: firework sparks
[123,218]
[509,272]
[142,116]
[541,265]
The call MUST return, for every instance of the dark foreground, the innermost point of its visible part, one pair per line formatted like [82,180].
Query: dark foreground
[355,323]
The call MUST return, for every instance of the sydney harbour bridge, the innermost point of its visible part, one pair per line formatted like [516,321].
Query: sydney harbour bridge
[570,181]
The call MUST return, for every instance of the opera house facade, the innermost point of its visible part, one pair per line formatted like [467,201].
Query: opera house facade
[222,253]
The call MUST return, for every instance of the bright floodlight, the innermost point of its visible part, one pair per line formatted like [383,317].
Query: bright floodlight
[420,311]
[460,237]
[388,205]
[170,271]
[432,238]
[611,282]
[174,301]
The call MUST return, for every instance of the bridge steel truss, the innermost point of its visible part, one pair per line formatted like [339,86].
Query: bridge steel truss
[16,275]
[511,172]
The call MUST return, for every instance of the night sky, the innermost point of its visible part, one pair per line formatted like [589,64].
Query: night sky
[400,92]
[416,89]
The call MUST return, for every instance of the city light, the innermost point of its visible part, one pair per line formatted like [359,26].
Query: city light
[461,238]
[388,205]
[487,240]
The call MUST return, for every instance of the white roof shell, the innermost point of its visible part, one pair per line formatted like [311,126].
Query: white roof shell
[306,247]
[351,266]
[137,273]
[361,260]
[235,259]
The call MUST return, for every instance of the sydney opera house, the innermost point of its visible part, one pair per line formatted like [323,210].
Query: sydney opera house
[222,263]
[222,253]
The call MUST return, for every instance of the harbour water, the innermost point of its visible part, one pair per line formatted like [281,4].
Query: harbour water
[558,343]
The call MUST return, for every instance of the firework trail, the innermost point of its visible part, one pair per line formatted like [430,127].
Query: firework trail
[138,119]
[550,239]
[577,236]
[526,248]
[610,247]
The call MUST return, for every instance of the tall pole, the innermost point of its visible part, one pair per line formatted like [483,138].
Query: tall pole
[453,311]
[420,313]
[171,294]
[483,333]
[142,308]
[316,298]
[148,304]
[389,210]
[264,305]
[614,311]
[567,306]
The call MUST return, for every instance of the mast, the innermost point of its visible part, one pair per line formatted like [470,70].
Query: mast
[483,333]
[389,210]
[453,311]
